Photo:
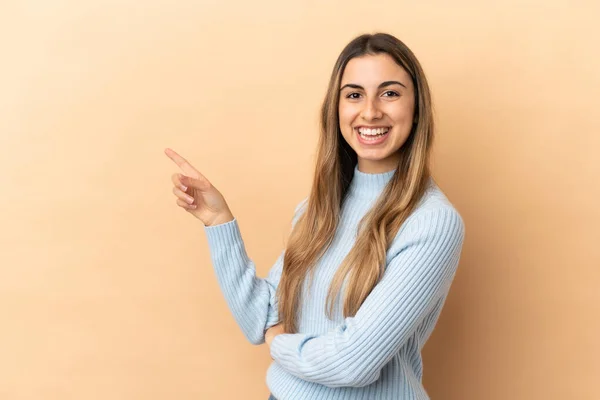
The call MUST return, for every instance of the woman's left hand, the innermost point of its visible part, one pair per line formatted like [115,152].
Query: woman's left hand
[272,332]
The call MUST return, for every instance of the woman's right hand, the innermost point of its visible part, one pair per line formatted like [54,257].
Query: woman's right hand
[197,195]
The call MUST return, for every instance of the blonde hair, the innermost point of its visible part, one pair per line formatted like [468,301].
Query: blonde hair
[314,228]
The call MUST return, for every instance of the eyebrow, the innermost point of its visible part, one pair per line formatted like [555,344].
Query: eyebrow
[382,85]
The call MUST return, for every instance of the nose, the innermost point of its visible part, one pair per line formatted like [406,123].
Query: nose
[371,110]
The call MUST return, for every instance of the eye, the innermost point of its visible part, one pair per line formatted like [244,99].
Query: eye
[352,95]
[391,93]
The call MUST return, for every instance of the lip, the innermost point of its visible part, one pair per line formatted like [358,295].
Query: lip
[371,142]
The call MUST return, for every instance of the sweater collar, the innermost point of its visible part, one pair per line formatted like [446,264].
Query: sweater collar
[369,185]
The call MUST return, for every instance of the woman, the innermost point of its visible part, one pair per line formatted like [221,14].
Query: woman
[351,301]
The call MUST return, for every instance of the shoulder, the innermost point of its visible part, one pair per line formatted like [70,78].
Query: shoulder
[301,206]
[434,222]
[299,210]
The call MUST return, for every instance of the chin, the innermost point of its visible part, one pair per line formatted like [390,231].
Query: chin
[373,155]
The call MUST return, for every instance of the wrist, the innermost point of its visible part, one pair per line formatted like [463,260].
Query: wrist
[222,218]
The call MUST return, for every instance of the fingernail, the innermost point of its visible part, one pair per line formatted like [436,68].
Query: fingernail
[189,200]
[183,187]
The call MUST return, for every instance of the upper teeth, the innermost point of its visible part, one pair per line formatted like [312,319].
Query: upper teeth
[367,131]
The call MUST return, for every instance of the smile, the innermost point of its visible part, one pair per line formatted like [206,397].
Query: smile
[372,135]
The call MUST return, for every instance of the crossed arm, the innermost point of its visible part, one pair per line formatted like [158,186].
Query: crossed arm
[417,278]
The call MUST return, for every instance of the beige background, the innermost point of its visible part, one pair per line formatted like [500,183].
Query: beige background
[106,288]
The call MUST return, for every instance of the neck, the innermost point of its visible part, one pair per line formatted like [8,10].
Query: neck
[369,184]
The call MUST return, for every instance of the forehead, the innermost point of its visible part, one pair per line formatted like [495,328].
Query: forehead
[371,70]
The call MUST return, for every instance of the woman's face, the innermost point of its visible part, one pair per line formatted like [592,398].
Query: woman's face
[376,110]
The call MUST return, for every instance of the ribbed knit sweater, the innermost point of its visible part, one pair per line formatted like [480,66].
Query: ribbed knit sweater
[375,354]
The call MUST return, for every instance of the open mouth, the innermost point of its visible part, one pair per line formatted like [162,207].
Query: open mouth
[372,135]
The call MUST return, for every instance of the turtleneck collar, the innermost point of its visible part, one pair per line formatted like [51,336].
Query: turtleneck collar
[369,185]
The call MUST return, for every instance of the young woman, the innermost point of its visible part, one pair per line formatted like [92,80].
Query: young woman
[351,301]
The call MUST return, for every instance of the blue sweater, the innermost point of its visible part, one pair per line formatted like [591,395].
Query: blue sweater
[377,353]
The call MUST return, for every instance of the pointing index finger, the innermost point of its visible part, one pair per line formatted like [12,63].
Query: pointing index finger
[182,163]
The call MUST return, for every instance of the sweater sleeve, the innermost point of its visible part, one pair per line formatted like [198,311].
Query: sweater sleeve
[416,278]
[251,299]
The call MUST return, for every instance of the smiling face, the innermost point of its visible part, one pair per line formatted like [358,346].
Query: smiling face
[376,110]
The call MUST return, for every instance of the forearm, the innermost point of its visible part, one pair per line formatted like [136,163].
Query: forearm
[251,299]
[333,360]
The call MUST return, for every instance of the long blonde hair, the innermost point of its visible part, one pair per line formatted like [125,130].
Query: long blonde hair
[314,229]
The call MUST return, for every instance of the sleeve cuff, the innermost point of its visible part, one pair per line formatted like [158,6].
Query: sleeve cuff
[222,236]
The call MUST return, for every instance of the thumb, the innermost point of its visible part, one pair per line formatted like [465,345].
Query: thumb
[201,184]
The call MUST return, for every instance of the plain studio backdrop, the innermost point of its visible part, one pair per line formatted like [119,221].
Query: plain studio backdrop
[106,286]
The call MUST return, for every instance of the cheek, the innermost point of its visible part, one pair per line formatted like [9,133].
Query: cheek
[347,114]
[345,122]
[403,115]
[343,117]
